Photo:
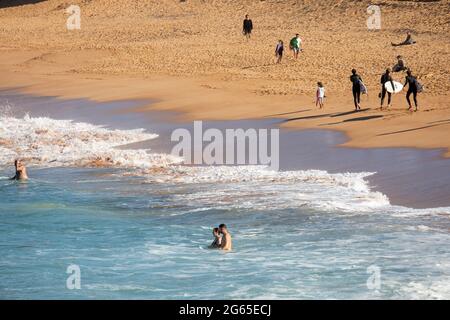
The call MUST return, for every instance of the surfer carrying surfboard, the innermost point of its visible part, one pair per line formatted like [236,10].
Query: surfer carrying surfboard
[386,77]
[413,88]
[356,89]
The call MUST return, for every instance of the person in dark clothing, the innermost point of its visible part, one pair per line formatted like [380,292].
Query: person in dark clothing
[400,66]
[279,51]
[247,27]
[385,78]
[409,40]
[411,81]
[356,89]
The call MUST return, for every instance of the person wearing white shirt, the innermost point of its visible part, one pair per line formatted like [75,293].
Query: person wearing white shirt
[320,95]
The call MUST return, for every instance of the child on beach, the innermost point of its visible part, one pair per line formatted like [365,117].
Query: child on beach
[279,51]
[320,95]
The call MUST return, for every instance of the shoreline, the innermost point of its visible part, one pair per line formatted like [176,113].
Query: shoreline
[308,149]
[368,128]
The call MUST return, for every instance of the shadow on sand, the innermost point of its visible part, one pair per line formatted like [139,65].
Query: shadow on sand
[15,3]
[441,123]
[332,115]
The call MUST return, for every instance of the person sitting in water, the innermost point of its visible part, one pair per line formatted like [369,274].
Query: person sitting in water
[226,238]
[21,171]
[400,66]
[409,40]
[217,239]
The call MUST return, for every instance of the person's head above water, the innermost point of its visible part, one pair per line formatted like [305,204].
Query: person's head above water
[353,71]
[223,228]
[215,231]
[21,170]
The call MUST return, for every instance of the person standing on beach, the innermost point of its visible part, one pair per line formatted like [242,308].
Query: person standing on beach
[320,95]
[356,89]
[247,27]
[295,45]
[413,88]
[226,238]
[386,77]
[279,51]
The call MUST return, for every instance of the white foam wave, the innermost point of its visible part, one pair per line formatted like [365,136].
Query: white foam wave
[258,187]
[49,142]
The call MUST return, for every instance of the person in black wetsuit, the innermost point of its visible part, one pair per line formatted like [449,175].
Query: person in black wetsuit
[385,78]
[247,27]
[356,89]
[411,81]
[400,65]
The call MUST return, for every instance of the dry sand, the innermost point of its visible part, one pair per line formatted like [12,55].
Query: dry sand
[191,57]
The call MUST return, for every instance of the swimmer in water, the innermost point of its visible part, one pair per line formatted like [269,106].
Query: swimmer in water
[226,238]
[217,239]
[21,171]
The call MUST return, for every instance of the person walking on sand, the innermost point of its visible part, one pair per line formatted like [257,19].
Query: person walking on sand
[413,88]
[279,51]
[247,27]
[21,171]
[226,238]
[386,77]
[295,45]
[320,95]
[356,89]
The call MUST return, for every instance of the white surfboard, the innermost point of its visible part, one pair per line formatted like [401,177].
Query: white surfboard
[363,88]
[396,89]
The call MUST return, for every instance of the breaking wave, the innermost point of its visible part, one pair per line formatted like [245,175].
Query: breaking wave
[46,142]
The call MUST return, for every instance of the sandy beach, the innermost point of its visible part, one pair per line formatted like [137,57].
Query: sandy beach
[191,57]
[351,204]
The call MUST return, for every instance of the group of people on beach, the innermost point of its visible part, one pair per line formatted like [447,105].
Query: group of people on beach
[358,86]
[295,44]
[414,87]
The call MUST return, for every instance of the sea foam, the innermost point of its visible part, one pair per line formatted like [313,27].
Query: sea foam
[47,142]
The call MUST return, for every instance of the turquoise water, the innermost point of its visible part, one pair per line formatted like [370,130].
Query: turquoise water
[137,232]
[134,239]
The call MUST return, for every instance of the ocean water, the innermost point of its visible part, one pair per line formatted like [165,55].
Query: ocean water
[138,222]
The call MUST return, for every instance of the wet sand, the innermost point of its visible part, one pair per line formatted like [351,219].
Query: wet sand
[409,177]
[158,50]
